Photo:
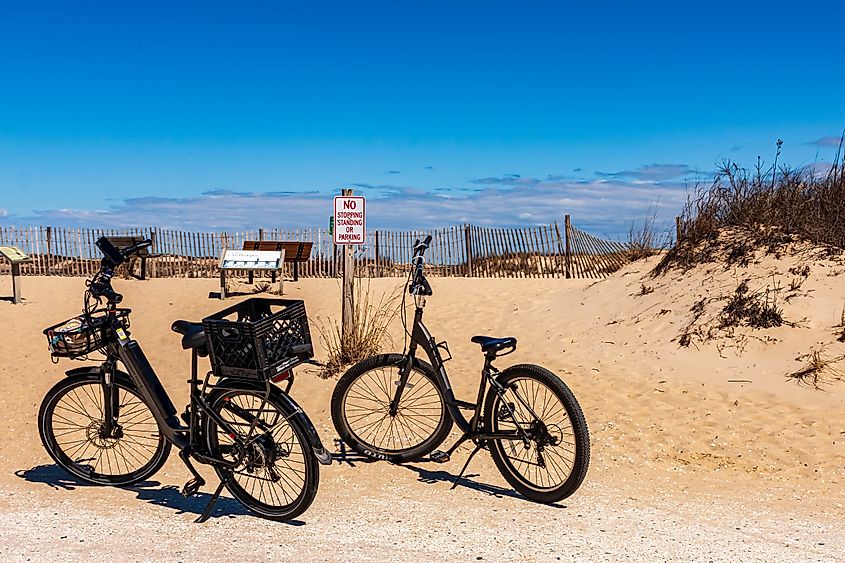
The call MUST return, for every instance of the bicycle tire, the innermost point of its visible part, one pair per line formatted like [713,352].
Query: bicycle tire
[517,470]
[289,442]
[81,403]
[414,445]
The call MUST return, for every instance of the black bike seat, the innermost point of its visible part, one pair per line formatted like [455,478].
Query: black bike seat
[491,344]
[193,336]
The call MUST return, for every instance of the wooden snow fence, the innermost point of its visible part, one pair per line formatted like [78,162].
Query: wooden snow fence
[465,250]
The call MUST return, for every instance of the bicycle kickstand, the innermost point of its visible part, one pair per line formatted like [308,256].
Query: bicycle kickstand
[461,474]
[206,514]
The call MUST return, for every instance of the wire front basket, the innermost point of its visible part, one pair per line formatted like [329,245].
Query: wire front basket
[79,336]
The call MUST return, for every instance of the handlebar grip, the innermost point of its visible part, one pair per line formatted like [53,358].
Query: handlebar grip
[129,251]
[104,289]
[420,247]
[110,251]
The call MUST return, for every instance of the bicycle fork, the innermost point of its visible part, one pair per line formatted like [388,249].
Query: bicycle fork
[111,404]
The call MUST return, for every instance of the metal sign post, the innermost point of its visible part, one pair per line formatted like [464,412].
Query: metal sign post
[231,259]
[15,257]
[349,223]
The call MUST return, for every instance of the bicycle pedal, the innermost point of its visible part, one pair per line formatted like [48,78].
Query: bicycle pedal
[438,456]
[192,487]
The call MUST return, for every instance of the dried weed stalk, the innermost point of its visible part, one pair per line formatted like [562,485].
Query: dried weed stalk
[262,287]
[370,328]
[818,370]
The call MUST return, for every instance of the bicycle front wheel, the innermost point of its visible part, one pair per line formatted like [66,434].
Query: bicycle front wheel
[71,423]
[278,475]
[361,410]
[547,459]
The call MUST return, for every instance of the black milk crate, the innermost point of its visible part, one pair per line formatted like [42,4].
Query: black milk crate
[258,338]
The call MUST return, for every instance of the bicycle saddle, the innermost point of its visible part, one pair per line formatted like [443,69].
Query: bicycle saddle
[193,336]
[491,344]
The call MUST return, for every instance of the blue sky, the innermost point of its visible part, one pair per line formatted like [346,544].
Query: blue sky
[214,115]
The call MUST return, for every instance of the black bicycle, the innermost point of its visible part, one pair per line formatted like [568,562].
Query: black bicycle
[107,426]
[399,408]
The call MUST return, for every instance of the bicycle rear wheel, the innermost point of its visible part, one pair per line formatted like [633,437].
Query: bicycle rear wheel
[71,426]
[278,475]
[547,459]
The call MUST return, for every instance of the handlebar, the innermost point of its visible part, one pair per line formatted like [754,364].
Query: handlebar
[420,247]
[116,256]
[135,248]
[100,285]
[419,285]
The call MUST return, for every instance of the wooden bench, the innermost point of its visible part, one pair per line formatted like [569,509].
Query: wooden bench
[122,242]
[294,252]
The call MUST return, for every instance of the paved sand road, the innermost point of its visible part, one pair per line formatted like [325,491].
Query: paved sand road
[375,511]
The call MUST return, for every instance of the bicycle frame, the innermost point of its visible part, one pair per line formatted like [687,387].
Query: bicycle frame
[252,444]
[187,439]
[421,337]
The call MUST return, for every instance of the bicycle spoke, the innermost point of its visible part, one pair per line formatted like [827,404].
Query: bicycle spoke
[77,420]
[275,482]
[418,413]
[557,464]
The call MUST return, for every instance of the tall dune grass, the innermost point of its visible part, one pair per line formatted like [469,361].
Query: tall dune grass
[370,322]
[766,206]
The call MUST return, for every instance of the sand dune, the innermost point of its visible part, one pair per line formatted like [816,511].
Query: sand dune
[687,441]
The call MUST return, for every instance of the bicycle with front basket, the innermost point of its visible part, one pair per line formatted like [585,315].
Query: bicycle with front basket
[107,426]
[399,408]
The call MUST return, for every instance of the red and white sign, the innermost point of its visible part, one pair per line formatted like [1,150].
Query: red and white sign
[349,220]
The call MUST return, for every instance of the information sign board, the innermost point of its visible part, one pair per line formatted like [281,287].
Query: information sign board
[14,255]
[233,259]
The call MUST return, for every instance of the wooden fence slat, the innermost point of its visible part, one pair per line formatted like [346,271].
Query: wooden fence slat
[492,254]
[577,258]
[607,265]
[589,267]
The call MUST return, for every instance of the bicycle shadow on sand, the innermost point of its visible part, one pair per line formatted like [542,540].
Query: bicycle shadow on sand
[152,492]
[344,455]
[430,477]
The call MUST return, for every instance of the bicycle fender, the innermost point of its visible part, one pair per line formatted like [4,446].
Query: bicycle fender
[320,452]
[84,370]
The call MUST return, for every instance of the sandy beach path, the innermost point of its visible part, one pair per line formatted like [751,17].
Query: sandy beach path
[686,464]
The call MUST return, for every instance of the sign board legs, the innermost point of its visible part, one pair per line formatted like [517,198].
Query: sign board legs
[16,283]
[281,273]
[222,283]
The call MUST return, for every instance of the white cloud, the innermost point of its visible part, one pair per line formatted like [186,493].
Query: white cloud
[655,173]
[603,206]
[827,141]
